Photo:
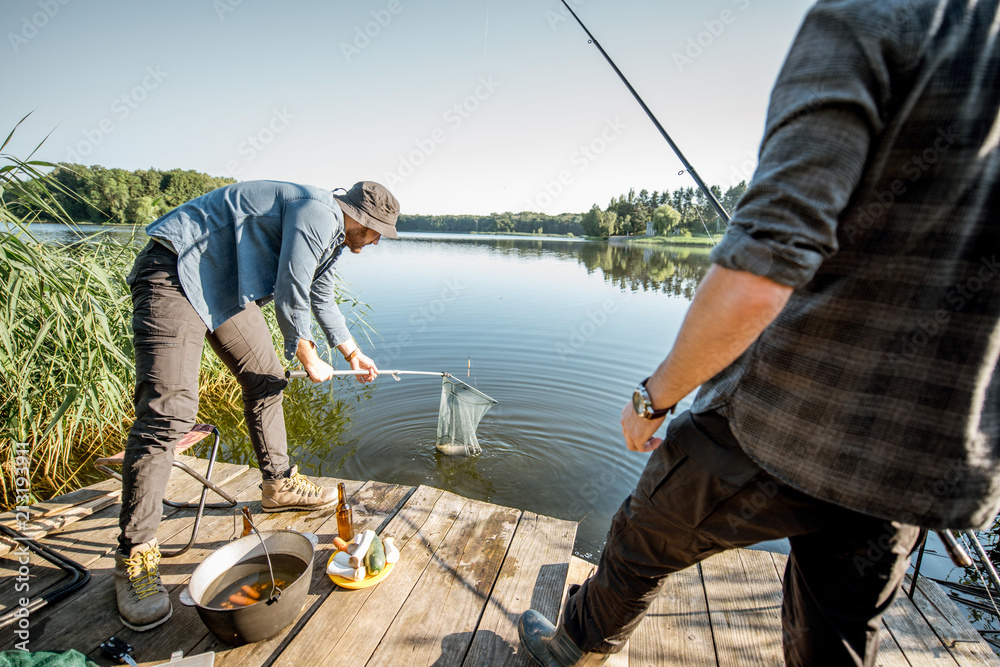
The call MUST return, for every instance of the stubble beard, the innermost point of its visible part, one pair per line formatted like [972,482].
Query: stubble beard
[354,239]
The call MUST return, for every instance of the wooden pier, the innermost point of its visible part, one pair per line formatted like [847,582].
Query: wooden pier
[468,569]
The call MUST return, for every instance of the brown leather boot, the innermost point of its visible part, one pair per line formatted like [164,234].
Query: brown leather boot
[552,647]
[143,602]
[295,492]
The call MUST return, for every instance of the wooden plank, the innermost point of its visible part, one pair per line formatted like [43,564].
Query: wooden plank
[533,576]
[918,643]
[56,514]
[951,624]
[744,603]
[579,571]
[95,535]
[185,631]
[676,630]
[374,505]
[435,624]
[349,625]
[65,501]
[91,616]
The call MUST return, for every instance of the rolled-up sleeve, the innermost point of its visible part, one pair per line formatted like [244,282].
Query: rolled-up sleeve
[825,110]
[307,230]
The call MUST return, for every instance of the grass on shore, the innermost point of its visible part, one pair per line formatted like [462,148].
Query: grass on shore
[702,240]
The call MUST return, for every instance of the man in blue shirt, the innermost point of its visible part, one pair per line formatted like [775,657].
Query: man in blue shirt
[210,265]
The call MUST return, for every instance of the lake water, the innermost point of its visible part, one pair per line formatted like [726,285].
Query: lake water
[558,331]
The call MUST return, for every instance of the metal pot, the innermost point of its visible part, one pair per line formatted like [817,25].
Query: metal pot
[244,625]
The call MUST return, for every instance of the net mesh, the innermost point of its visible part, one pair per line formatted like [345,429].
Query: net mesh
[462,408]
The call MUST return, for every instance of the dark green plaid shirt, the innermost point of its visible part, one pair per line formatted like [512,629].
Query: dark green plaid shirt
[877,196]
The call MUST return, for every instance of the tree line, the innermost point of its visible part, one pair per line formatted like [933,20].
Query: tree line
[118,196]
[684,211]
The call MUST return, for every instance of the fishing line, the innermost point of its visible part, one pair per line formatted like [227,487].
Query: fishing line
[983,556]
[677,151]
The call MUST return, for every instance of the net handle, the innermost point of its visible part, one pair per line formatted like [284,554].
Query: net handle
[292,375]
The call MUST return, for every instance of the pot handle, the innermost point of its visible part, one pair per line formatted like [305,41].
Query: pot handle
[312,537]
[186,599]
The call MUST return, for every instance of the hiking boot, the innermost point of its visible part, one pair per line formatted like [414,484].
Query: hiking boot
[295,492]
[552,647]
[143,602]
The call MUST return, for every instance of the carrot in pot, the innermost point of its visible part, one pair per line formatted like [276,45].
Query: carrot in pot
[242,600]
[251,591]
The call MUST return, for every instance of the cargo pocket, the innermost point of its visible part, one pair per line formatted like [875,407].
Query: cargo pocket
[158,358]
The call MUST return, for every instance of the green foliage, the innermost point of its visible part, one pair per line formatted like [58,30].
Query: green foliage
[118,196]
[65,350]
[694,213]
[665,218]
[66,358]
[502,223]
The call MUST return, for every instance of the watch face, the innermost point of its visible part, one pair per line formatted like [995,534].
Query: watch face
[638,402]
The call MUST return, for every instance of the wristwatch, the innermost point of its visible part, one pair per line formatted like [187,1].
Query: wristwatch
[643,404]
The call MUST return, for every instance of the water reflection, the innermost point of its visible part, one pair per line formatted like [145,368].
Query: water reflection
[673,271]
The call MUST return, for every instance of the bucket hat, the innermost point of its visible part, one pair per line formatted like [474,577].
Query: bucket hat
[372,205]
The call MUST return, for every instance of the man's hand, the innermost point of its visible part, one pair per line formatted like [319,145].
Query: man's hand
[362,362]
[639,432]
[317,369]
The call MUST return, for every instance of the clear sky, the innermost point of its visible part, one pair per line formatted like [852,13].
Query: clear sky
[460,106]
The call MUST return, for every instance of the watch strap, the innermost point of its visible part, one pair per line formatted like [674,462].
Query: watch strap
[662,412]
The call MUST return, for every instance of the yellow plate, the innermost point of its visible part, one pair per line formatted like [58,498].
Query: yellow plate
[370,580]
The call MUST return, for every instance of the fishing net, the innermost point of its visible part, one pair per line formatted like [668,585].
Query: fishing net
[462,408]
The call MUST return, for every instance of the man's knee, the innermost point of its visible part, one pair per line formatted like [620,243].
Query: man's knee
[261,388]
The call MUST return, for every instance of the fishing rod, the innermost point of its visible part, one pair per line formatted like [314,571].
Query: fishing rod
[687,165]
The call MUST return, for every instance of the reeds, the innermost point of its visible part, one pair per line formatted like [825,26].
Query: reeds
[65,350]
[66,358]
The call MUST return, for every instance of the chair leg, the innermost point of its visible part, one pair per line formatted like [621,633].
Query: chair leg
[207,485]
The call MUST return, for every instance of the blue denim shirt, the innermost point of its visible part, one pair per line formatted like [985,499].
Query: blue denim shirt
[258,240]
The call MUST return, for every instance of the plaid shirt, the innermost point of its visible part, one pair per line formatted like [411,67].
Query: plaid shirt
[877,197]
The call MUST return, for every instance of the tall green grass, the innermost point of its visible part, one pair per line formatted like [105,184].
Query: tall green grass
[66,358]
[66,372]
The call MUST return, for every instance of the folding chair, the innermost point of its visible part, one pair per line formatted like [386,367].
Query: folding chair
[194,436]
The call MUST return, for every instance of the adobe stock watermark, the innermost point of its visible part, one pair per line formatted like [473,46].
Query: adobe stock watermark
[697,44]
[365,34]
[555,18]
[913,169]
[453,118]
[595,488]
[251,147]
[581,159]
[223,7]
[36,22]
[928,328]
[121,108]
[420,319]
[877,548]
[22,585]
[593,322]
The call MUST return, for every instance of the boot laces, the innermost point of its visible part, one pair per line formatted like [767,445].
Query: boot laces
[144,572]
[303,485]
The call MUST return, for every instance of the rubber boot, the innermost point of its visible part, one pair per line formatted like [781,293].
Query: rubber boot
[552,647]
[143,602]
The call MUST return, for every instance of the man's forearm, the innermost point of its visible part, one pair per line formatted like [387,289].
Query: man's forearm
[728,313]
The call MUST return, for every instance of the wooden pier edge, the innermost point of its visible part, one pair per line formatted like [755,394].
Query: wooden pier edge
[469,569]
